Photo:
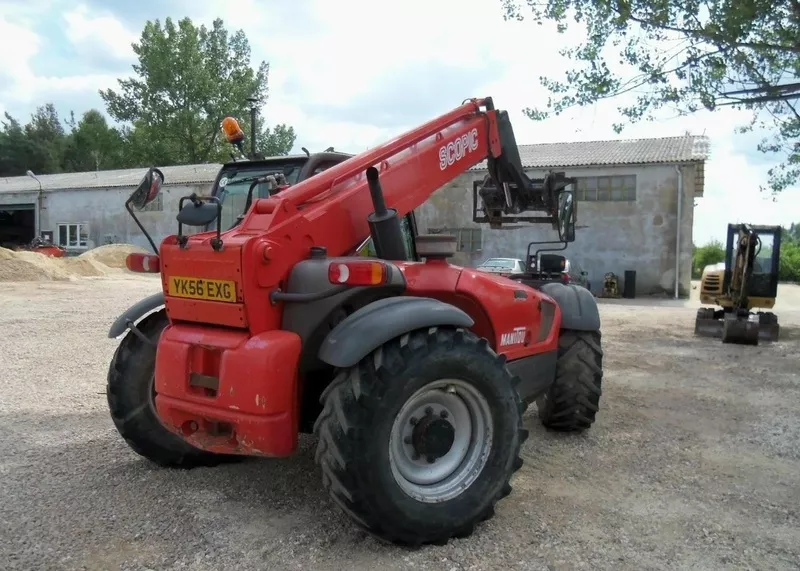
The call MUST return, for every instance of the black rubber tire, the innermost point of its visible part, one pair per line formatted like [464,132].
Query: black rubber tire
[360,406]
[573,400]
[129,393]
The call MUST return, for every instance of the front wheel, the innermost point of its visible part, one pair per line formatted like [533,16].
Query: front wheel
[418,441]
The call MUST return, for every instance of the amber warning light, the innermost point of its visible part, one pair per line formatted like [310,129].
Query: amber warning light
[232,131]
[357,273]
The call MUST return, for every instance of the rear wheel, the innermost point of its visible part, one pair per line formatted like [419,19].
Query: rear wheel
[419,440]
[573,400]
[131,392]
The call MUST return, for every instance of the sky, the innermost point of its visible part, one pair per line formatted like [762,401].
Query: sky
[354,73]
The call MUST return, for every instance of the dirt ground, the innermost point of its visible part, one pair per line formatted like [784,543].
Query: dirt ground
[694,462]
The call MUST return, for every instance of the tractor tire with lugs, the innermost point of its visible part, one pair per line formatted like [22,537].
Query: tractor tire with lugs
[130,392]
[572,402]
[418,441]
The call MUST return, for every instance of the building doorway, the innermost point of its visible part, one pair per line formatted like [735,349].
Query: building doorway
[17,225]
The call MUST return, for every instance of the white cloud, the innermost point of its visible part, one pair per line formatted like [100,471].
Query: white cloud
[336,68]
[19,44]
[98,35]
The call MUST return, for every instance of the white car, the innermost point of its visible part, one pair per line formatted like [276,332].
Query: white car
[502,266]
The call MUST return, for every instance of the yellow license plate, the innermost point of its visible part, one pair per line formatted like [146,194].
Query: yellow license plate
[202,288]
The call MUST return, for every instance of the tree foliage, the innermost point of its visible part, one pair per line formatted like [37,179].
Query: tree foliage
[187,80]
[688,55]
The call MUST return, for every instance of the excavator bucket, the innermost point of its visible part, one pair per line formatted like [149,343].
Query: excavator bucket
[740,329]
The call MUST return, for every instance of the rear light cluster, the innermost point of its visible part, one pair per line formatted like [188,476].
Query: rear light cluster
[366,273]
[143,263]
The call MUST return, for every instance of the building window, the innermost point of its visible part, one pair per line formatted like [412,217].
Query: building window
[156,206]
[467,239]
[73,235]
[606,188]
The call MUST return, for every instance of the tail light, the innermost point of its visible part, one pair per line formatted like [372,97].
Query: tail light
[143,263]
[356,273]
[565,278]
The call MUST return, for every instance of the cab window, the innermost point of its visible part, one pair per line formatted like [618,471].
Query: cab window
[367,249]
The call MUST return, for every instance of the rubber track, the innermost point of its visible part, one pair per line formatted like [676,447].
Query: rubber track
[342,412]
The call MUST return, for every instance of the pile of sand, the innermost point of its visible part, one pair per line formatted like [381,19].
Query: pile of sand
[26,266]
[112,255]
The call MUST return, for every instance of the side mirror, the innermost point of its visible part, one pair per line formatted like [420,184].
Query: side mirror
[566,216]
[148,189]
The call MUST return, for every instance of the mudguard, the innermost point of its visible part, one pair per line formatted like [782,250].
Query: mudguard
[135,312]
[579,310]
[373,325]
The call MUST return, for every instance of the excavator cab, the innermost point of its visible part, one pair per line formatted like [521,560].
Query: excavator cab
[748,279]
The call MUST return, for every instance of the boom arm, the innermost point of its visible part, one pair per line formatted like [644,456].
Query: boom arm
[411,168]
[746,251]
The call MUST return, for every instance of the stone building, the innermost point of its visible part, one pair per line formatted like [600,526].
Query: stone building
[630,194]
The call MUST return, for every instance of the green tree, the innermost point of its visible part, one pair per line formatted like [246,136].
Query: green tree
[789,270]
[690,55]
[189,79]
[37,146]
[15,148]
[711,253]
[47,140]
[93,145]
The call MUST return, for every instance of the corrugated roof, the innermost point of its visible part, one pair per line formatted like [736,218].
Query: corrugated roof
[681,149]
[686,148]
[184,174]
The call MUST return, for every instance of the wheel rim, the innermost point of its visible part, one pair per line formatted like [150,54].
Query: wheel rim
[447,421]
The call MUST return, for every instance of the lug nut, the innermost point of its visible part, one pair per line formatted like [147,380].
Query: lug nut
[413,420]
[443,414]
[407,440]
[431,459]
[429,410]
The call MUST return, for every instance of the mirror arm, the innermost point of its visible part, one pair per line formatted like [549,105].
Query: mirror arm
[216,242]
[139,224]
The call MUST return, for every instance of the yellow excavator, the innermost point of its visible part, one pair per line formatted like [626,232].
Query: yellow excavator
[747,279]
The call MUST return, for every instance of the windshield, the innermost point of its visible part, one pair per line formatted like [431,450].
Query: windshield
[234,184]
[498,263]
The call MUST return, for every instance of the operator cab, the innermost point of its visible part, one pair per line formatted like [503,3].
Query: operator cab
[763,282]
[235,178]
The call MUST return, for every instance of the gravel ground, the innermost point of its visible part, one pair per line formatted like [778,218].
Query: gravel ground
[694,462]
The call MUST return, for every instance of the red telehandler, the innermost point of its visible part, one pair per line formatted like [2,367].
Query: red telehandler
[413,373]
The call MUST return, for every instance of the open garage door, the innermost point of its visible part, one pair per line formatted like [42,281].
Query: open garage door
[17,224]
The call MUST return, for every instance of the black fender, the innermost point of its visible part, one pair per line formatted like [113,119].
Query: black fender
[371,326]
[579,310]
[135,312]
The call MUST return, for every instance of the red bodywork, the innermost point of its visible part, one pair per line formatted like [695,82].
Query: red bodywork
[240,345]
[50,251]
